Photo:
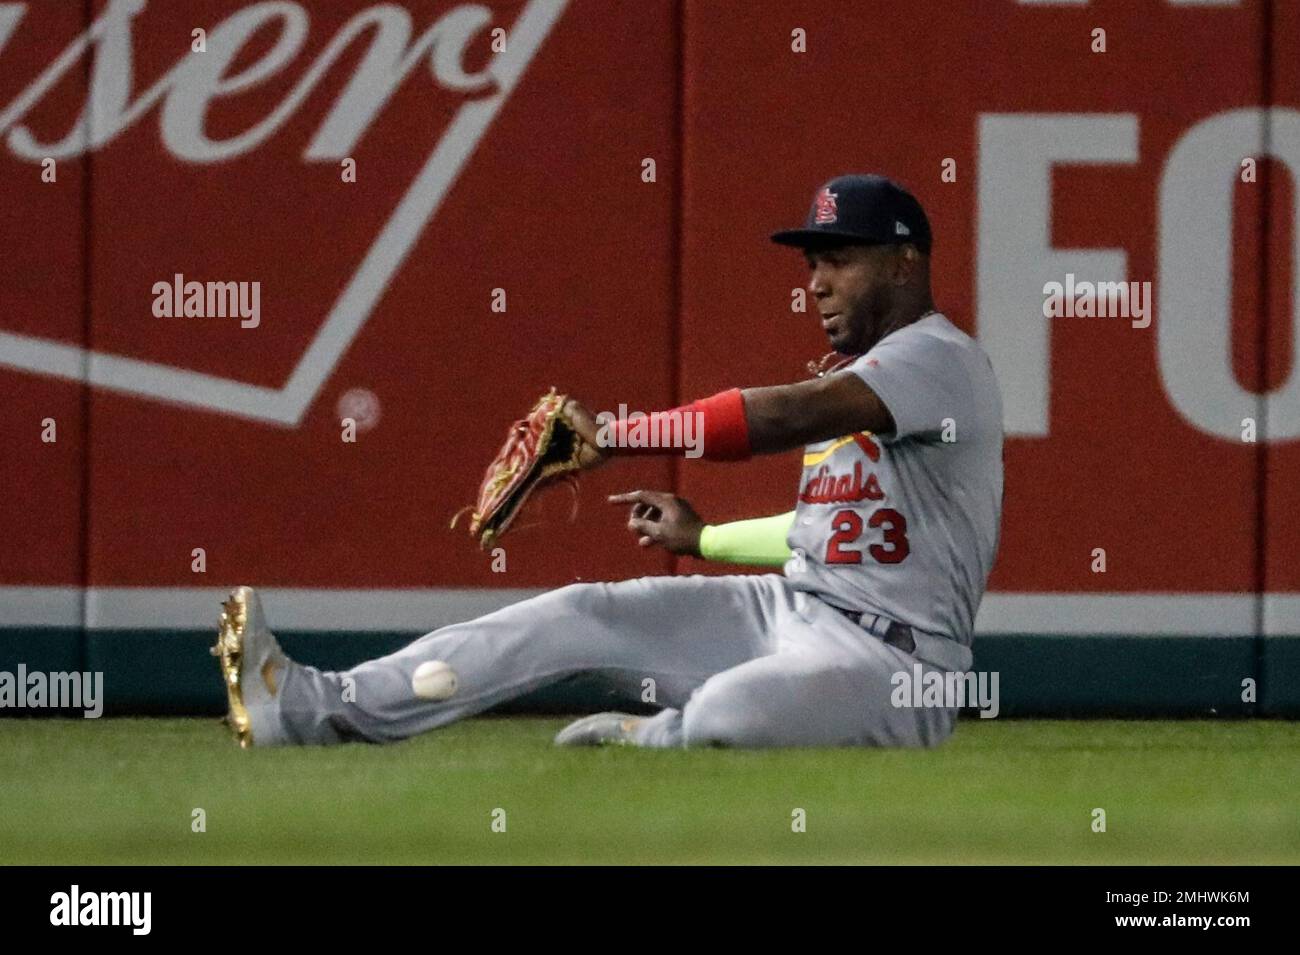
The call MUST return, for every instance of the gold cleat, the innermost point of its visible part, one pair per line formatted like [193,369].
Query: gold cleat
[600,729]
[229,651]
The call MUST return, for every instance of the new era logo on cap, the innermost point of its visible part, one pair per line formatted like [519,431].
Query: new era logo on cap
[900,229]
[825,211]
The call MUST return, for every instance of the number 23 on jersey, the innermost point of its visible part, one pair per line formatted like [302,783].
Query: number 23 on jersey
[847,528]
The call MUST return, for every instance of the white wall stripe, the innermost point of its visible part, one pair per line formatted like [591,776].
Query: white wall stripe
[419,611]
[1281,614]
[1148,614]
[40,607]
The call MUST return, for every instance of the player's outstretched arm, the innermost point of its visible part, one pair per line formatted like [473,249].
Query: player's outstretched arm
[735,424]
[791,416]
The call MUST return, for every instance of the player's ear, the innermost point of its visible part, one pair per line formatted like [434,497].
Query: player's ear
[906,262]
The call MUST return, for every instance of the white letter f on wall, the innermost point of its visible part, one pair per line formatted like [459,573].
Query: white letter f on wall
[1016,260]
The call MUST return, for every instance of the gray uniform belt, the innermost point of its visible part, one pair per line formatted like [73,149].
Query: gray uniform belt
[888,631]
[942,652]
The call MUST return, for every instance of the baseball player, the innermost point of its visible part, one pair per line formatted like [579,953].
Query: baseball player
[885,555]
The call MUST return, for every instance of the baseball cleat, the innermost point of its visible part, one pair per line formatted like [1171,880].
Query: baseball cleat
[599,730]
[252,665]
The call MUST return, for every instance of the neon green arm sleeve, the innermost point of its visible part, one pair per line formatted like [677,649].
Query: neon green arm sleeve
[759,542]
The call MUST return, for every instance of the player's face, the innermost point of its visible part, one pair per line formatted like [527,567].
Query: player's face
[853,289]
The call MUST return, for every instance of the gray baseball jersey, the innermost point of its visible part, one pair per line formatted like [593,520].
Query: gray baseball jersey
[907,525]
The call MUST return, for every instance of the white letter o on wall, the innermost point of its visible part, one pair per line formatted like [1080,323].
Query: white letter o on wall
[1194,287]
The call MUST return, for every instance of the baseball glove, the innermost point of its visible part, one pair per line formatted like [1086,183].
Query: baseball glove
[541,449]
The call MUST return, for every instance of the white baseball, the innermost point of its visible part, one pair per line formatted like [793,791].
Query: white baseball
[434,680]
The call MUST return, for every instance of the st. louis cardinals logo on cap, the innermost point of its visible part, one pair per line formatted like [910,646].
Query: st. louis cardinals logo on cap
[825,212]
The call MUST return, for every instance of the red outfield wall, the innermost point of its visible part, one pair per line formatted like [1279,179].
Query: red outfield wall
[524,173]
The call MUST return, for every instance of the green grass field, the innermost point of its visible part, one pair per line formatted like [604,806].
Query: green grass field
[1002,791]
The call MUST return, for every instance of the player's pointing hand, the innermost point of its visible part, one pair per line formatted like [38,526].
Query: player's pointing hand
[664,519]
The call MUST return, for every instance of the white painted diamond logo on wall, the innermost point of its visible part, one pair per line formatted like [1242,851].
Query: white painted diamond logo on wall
[110,89]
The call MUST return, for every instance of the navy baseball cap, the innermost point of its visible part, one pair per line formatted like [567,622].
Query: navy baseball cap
[867,210]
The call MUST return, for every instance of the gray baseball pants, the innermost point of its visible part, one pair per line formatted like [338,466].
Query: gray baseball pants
[735,661]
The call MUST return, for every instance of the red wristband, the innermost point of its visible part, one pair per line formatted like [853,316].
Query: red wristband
[714,428]
[726,430]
